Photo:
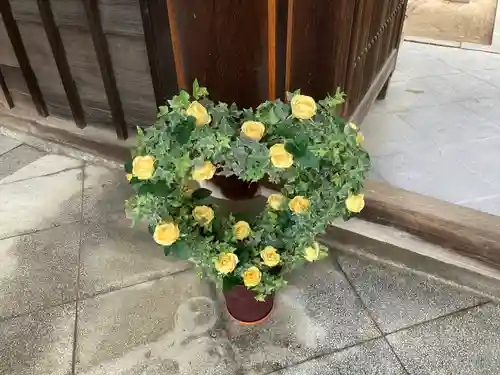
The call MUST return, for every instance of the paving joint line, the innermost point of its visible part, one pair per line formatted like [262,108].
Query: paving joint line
[41,176]
[460,311]
[35,311]
[326,354]
[86,296]
[13,148]
[372,318]
[77,303]
[36,231]
[90,296]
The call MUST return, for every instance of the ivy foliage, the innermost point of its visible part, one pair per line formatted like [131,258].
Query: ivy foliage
[328,166]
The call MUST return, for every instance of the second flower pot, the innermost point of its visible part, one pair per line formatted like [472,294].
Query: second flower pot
[243,307]
[234,188]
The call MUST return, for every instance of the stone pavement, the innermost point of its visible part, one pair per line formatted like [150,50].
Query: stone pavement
[82,293]
[438,131]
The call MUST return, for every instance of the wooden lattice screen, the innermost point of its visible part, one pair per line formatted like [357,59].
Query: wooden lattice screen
[111,62]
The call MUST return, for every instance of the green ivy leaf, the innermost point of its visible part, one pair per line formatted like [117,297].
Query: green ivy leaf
[181,250]
[297,150]
[196,88]
[201,193]
[273,117]
[156,188]
[128,166]
[309,160]
[184,131]
[184,98]
[162,111]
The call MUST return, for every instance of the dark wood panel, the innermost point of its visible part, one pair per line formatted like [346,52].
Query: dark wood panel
[22,58]
[41,58]
[281,44]
[23,104]
[61,61]
[14,78]
[160,49]
[223,43]
[320,45]
[85,69]
[386,37]
[133,78]
[106,66]
[374,43]
[118,16]
[366,11]
[5,91]
[7,55]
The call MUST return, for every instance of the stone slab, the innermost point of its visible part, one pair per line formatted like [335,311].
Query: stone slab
[371,358]
[45,165]
[114,255]
[40,343]
[398,298]
[467,343]
[317,313]
[38,270]
[105,192]
[7,144]
[40,203]
[168,326]
[16,159]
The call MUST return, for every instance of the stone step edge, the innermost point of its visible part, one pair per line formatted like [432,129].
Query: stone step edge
[397,248]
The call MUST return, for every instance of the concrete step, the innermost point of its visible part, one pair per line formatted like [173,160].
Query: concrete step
[398,248]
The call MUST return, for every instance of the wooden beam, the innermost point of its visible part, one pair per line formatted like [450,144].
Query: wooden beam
[375,89]
[289,46]
[271,47]
[176,46]
[159,45]
[106,66]
[6,92]
[22,58]
[56,44]
[471,233]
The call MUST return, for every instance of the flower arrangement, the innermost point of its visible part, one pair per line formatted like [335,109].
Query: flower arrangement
[301,145]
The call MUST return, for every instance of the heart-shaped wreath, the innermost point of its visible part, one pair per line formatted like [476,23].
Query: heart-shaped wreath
[305,148]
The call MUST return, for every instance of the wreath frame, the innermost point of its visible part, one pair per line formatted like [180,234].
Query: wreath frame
[194,138]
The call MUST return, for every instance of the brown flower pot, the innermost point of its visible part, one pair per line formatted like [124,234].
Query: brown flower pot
[242,305]
[235,189]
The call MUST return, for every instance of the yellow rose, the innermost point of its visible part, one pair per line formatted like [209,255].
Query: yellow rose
[253,129]
[359,138]
[251,277]
[299,204]
[353,126]
[312,253]
[166,234]
[303,107]
[205,172]
[355,203]
[200,113]
[270,256]
[143,167]
[203,214]
[280,157]
[226,263]
[275,201]
[241,230]
[129,176]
